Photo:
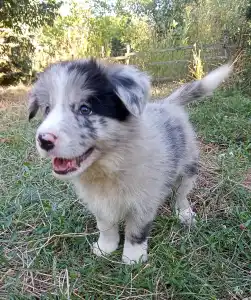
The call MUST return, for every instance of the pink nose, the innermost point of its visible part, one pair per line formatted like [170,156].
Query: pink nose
[47,141]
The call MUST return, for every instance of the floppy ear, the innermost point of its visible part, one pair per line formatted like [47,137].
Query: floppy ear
[132,87]
[33,105]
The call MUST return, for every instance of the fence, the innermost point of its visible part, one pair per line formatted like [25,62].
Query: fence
[174,63]
[168,64]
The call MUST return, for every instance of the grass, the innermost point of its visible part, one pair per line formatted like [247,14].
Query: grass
[46,234]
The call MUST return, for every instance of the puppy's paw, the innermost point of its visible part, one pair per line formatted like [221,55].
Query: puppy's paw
[135,259]
[103,248]
[134,253]
[187,216]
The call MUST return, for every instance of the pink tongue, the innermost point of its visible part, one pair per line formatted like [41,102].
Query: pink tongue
[61,164]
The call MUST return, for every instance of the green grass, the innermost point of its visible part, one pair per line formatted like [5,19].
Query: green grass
[46,234]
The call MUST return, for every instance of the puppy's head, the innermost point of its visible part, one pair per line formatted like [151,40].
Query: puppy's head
[84,105]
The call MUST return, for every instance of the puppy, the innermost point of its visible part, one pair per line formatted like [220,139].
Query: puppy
[123,155]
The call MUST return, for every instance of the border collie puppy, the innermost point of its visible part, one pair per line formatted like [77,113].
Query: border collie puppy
[123,155]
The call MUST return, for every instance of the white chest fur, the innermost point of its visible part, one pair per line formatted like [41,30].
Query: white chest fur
[105,196]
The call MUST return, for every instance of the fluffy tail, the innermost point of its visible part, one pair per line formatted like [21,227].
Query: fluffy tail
[195,90]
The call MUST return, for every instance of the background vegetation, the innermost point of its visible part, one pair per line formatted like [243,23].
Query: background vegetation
[34,33]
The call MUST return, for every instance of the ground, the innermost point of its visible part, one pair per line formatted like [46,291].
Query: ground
[45,234]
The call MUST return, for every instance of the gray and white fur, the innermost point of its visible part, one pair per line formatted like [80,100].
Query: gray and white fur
[128,154]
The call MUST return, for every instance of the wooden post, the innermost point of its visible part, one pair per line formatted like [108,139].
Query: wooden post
[102,51]
[226,44]
[128,48]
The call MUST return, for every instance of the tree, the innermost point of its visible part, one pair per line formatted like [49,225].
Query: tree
[22,14]
[19,20]
[160,13]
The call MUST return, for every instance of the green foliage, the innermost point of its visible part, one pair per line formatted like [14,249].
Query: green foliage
[27,13]
[196,68]
[67,37]
[210,19]
[81,34]
[103,28]
[15,56]
[165,16]
[225,120]
[244,62]
[19,21]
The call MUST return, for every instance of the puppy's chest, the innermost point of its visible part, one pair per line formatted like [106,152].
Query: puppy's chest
[104,195]
[99,187]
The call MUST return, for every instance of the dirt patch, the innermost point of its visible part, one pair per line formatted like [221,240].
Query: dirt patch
[208,148]
[163,89]
[13,96]
[247,181]
[5,140]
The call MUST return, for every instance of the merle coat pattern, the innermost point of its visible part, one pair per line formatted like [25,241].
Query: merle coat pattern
[123,154]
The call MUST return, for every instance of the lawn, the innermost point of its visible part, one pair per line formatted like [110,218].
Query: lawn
[45,234]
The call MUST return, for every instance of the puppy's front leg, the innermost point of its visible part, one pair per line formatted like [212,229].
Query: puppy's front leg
[136,235]
[108,238]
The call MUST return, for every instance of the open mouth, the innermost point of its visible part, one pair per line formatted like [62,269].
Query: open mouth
[64,166]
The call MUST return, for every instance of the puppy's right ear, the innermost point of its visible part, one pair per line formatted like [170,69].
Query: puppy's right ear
[33,105]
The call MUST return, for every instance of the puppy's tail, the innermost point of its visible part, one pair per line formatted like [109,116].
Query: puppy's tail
[195,90]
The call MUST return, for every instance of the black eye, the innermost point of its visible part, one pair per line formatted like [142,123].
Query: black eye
[85,110]
[47,110]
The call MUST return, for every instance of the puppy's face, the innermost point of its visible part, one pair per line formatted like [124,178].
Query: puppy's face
[84,104]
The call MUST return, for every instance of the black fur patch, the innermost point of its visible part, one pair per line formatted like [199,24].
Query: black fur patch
[82,140]
[192,169]
[142,235]
[104,101]
[33,108]
[194,90]
[102,121]
[127,83]
[175,138]
[86,123]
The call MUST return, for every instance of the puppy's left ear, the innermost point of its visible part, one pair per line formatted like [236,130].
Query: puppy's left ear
[33,105]
[132,87]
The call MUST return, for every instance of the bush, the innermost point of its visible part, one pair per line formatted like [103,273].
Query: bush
[19,23]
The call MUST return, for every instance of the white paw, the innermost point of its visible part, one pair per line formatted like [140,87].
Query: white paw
[186,216]
[102,247]
[134,253]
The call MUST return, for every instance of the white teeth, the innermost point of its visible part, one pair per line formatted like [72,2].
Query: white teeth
[76,161]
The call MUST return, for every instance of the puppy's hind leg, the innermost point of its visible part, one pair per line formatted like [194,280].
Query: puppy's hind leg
[108,238]
[182,205]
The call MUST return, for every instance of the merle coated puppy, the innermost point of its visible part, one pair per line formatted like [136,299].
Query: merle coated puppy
[123,154]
